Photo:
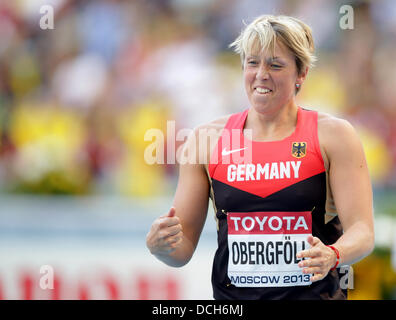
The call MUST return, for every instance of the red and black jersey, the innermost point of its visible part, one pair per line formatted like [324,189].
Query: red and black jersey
[268,197]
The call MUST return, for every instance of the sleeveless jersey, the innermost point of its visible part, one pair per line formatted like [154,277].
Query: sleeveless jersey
[268,197]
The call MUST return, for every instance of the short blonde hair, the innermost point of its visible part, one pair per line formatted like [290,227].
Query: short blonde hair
[265,30]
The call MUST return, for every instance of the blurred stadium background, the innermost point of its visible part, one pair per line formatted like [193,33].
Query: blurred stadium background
[76,101]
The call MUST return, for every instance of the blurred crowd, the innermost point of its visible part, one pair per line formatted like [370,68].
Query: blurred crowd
[77,100]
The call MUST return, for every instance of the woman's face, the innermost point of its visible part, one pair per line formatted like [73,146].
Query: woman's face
[270,82]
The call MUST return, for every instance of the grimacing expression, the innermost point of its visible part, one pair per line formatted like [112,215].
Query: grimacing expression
[270,81]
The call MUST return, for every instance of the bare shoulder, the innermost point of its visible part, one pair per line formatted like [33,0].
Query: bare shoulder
[328,122]
[212,129]
[336,134]
[203,139]
[331,127]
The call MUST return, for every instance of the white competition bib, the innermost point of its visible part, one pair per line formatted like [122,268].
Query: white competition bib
[263,246]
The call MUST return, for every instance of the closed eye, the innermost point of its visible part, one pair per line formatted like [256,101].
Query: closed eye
[276,66]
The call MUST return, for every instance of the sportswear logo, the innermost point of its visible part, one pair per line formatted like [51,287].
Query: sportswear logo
[226,153]
[299,149]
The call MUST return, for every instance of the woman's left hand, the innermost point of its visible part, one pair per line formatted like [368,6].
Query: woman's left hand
[322,259]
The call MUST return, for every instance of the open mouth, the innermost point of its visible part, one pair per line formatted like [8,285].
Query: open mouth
[263,90]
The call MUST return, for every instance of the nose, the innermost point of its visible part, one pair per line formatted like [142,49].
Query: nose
[262,72]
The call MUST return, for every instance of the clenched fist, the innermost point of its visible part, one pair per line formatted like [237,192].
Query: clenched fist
[165,234]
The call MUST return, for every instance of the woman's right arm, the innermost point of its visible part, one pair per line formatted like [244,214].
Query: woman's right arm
[174,236]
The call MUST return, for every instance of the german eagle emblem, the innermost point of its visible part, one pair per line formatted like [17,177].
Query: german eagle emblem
[299,149]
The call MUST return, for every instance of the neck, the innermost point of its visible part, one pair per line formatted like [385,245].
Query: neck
[273,124]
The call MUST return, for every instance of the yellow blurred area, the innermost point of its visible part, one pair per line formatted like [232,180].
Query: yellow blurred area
[135,177]
[133,122]
[367,276]
[322,90]
[32,123]
[377,153]
[49,141]
[374,278]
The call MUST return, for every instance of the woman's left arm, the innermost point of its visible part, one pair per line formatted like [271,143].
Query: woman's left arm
[351,188]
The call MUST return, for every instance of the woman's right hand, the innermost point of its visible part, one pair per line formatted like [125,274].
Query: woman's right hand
[165,234]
